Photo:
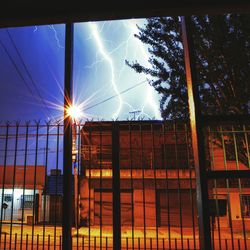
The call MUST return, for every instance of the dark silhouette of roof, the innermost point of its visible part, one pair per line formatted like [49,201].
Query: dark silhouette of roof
[26,12]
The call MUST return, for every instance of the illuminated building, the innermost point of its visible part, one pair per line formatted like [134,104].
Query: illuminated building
[148,153]
[157,177]
[21,193]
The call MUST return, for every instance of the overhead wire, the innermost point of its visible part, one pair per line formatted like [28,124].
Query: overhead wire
[16,67]
[35,85]
[27,71]
[120,93]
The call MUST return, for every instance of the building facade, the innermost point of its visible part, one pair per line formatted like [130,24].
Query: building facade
[21,189]
[157,176]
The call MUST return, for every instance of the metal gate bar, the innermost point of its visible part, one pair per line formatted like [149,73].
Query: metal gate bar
[67,139]
[166,170]
[116,186]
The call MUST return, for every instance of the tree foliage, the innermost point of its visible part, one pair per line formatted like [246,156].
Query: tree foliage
[222,61]
[222,56]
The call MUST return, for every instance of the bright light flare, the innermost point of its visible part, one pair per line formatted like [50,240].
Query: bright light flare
[74,112]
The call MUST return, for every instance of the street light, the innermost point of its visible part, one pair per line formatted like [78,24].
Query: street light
[75,113]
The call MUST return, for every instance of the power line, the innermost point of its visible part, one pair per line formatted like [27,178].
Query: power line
[27,71]
[122,92]
[35,86]
[16,68]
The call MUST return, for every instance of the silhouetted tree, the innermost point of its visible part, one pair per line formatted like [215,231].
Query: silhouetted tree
[222,57]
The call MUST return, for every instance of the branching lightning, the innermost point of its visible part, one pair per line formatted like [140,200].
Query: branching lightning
[107,51]
[131,25]
[56,36]
[148,98]
[106,56]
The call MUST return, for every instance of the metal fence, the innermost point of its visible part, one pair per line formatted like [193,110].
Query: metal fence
[133,182]
[229,185]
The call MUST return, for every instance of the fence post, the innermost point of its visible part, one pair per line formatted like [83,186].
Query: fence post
[67,141]
[197,136]
[116,186]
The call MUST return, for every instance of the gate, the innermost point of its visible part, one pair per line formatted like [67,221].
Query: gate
[133,186]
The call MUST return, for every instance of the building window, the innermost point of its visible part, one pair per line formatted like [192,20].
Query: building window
[175,156]
[176,208]
[8,197]
[27,201]
[246,205]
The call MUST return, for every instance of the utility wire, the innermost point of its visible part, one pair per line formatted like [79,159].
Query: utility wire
[122,92]
[27,71]
[16,68]
[34,84]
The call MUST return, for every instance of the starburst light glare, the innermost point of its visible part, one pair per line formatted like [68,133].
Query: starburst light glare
[74,112]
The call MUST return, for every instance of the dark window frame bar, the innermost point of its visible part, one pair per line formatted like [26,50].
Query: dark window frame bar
[116,190]
[67,140]
[68,67]
[227,174]
[31,13]
[197,135]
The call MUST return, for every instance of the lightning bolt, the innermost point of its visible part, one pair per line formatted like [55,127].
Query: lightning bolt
[106,56]
[149,100]
[107,49]
[56,36]
[131,27]
[106,53]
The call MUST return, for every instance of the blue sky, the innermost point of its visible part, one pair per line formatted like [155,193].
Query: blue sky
[32,80]
[32,72]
